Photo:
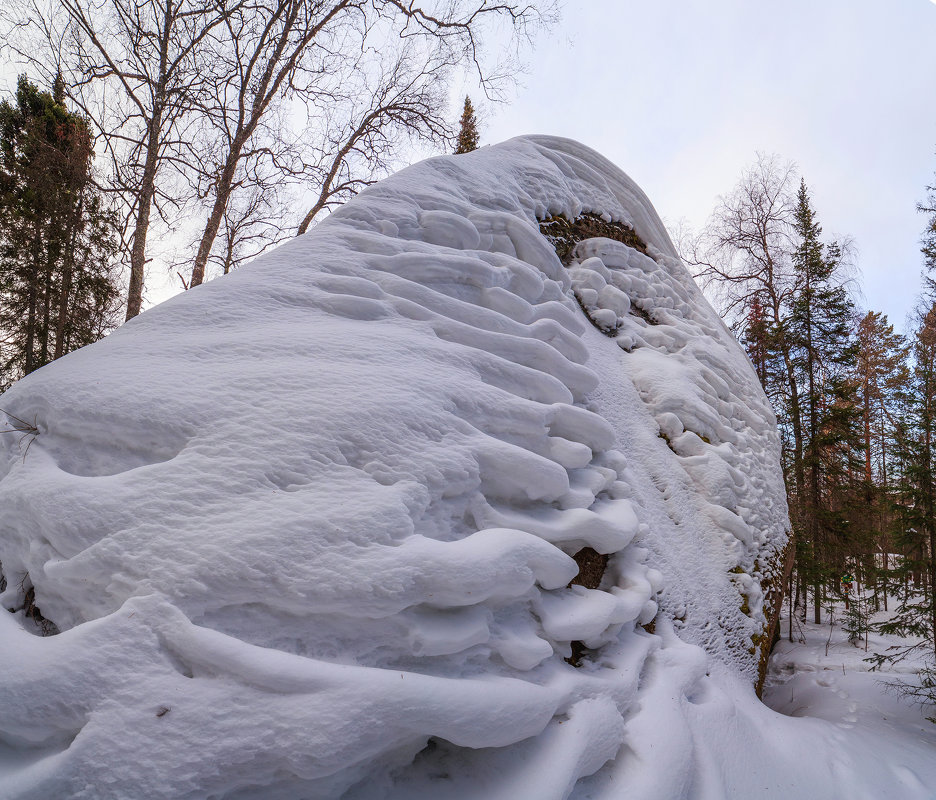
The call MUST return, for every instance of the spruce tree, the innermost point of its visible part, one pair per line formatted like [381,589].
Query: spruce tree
[819,329]
[468,138]
[857,620]
[58,287]
[929,234]
[916,534]
[757,341]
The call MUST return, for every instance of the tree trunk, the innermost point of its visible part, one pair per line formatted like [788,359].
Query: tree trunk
[67,274]
[930,513]
[932,584]
[46,308]
[268,85]
[222,196]
[812,505]
[148,180]
[867,432]
[31,330]
[32,302]
[138,249]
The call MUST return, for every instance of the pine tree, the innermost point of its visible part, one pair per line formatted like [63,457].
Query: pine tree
[819,329]
[916,536]
[468,138]
[882,374]
[57,242]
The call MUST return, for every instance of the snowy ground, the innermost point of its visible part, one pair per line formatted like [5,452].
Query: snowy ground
[823,676]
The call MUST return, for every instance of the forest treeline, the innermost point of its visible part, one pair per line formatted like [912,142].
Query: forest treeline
[855,400]
[60,242]
[228,124]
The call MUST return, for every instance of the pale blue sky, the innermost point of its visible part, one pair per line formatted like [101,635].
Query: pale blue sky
[682,93]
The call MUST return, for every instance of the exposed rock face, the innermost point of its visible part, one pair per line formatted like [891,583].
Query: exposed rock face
[408,507]
[605,311]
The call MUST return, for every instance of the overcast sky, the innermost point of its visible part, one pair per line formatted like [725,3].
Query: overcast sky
[682,93]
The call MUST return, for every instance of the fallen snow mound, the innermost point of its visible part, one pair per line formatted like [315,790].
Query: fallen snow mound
[307,531]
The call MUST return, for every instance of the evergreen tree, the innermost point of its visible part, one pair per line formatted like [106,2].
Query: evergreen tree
[819,329]
[882,375]
[468,138]
[915,523]
[757,340]
[916,535]
[57,242]
[929,234]
[857,620]
[837,414]
[881,372]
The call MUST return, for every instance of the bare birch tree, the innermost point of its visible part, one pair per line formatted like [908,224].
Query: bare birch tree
[133,67]
[384,106]
[745,256]
[263,58]
[210,100]
[369,74]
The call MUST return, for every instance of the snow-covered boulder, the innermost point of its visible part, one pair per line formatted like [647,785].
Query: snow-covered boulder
[406,508]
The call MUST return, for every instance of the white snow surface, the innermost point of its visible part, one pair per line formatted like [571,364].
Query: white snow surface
[825,679]
[306,531]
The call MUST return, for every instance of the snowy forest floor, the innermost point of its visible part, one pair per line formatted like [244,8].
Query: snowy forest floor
[823,676]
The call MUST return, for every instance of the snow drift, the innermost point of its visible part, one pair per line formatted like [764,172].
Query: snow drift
[308,531]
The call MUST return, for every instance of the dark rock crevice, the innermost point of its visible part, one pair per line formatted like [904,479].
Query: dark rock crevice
[28,606]
[564,234]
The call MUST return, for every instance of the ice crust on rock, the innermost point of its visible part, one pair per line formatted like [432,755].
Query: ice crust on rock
[308,530]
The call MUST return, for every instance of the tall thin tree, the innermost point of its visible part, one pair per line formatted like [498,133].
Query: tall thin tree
[824,353]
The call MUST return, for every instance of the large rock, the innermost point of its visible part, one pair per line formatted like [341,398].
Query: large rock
[407,507]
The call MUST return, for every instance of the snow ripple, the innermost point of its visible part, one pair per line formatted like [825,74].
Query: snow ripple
[309,530]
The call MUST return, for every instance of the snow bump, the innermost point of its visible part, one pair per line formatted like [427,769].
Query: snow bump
[393,511]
